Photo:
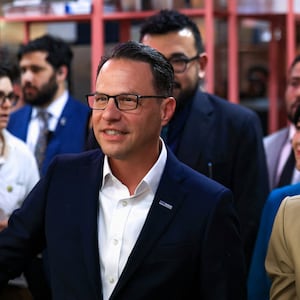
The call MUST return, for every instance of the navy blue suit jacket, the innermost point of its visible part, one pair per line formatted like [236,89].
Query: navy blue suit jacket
[259,283]
[69,135]
[229,136]
[191,250]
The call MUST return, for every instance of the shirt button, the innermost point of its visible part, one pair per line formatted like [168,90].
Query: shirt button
[111,280]
[124,203]
[115,241]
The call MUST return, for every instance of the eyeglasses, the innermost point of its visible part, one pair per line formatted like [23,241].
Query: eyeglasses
[11,97]
[123,102]
[180,63]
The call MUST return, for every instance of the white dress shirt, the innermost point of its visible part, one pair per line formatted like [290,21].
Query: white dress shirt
[121,218]
[55,110]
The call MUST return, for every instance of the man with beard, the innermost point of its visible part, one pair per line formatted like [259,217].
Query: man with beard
[217,138]
[278,145]
[45,71]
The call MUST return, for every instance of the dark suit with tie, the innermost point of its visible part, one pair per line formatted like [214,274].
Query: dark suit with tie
[188,250]
[225,141]
[69,135]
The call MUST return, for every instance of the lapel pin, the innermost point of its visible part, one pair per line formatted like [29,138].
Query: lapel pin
[165,204]
[9,188]
[63,121]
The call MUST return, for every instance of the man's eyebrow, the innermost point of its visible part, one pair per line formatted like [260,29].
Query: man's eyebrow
[177,55]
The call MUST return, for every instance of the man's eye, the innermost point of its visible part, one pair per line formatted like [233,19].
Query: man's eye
[100,98]
[294,83]
[126,98]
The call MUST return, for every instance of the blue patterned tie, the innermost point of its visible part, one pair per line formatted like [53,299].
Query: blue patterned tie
[41,145]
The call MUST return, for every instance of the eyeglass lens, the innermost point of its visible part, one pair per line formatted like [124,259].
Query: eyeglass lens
[11,97]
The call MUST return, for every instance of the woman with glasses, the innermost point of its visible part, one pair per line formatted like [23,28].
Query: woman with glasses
[18,173]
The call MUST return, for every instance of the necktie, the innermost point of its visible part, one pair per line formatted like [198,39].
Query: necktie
[42,140]
[288,169]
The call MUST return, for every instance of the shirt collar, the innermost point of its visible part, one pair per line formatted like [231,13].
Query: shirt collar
[151,179]
[292,131]
[7,145]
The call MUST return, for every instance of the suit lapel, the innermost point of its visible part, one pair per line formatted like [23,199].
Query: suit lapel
[89,214]
[273,146]
[197,129]
[162,211]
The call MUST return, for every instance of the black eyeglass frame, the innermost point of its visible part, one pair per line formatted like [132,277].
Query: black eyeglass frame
[185,60]
[138,97]
[11,97]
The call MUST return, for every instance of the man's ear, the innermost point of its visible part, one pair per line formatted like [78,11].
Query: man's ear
[62,72]
[202,63]
[168,109]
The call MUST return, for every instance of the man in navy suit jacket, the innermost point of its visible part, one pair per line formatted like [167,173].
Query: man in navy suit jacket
[45,64]
[134,223]
[219,139]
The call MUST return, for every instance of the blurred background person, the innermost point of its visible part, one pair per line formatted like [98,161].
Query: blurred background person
[258,280]
[18,173]
[52,121]
[282,259]
[278,145]
[222,140]
[45,65]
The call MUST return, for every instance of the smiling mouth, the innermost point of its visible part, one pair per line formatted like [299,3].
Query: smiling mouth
[112,132]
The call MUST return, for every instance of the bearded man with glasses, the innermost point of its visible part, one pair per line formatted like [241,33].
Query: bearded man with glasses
[213,136]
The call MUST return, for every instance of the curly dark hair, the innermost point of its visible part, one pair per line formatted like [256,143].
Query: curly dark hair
[168,21]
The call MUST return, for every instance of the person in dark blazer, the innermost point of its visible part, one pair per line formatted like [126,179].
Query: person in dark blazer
[258,281]
[216,138]
[45,66]
[130,221]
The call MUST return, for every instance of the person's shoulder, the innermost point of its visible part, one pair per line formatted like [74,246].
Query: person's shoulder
[198,182]
[15,142]
[290,209]
[77,102]
[78,105]
[292,201]
[278,194]
[288,190]
[25,109]
[234,109]
[276,135]
[82,157]
[21,153]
